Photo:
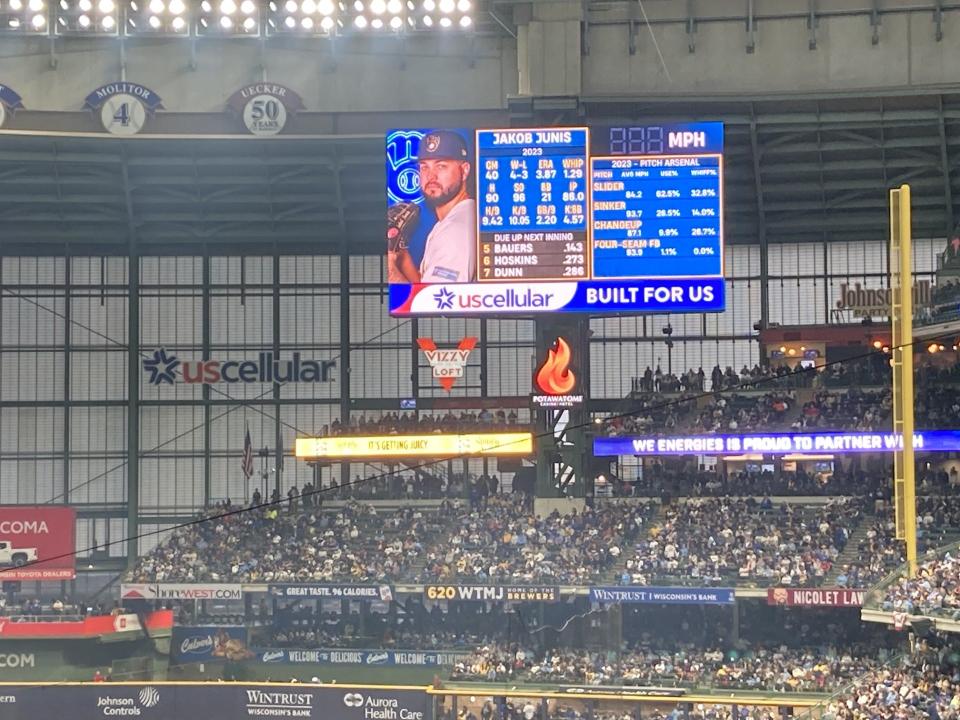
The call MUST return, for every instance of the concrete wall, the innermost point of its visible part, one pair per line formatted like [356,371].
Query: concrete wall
[367,76]
[906,55]
[559,49]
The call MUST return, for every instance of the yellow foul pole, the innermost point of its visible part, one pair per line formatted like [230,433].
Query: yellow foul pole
[901,322]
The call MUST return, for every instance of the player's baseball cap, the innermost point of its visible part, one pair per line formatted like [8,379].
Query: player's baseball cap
[443,144]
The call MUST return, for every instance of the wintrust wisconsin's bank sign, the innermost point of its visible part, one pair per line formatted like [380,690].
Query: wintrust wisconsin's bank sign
[165,368]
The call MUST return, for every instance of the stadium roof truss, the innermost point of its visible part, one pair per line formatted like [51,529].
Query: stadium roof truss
[798,169]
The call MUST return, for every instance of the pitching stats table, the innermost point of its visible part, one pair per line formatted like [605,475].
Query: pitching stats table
[648,205]
[532,204]
[656,216]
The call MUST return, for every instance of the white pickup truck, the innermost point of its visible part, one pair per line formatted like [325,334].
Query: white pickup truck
[10,555]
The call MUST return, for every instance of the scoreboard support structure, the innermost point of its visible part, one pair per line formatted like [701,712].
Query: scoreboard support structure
[563,444]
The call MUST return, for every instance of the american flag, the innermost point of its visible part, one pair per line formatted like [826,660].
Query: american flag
[247,463]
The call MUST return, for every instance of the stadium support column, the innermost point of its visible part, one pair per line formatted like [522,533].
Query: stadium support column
[901,322]
[549,44]
[133,402]
[761,225]
[561,431]
[207,409]
[344,359]
[278,429]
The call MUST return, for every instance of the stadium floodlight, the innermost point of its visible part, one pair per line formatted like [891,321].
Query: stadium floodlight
[443,14]
[24,16]
[229,17]
[382,15]
[88,17]
[157,17]
[304,17]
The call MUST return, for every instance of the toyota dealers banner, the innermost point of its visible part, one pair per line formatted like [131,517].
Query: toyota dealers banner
[663,595]
[181,591]
[215,701]
[815,597]
[37,542]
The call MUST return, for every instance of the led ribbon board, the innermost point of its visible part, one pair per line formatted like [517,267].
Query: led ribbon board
[489,444]
[776,443]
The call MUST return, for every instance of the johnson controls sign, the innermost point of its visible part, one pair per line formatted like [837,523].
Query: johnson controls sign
[126,705]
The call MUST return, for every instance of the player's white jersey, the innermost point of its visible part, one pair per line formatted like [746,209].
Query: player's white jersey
[451,251]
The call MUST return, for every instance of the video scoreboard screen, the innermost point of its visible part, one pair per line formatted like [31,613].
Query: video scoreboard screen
[528,220]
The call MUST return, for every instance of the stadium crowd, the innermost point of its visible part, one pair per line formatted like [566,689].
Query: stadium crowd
[503,540]
[357,542]
[934,591]
[712,540]
[777,669]
[677,478]
[408,423]
[720,540]
[496,538]
[837,402]
[925,686]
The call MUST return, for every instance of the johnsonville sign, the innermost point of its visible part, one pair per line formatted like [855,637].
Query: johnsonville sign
[815,597]
[875,302]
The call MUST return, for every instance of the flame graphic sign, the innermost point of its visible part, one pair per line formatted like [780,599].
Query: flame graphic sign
[555,377]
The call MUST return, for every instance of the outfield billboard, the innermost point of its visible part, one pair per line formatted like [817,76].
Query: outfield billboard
[37,542]
[163,701]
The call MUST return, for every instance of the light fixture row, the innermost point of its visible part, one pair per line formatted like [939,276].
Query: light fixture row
[230,17]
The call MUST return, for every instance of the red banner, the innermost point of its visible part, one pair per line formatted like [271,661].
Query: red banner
[94,626]
[815,597]
[37,542]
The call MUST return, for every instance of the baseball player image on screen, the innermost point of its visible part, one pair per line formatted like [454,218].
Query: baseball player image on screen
[450,252]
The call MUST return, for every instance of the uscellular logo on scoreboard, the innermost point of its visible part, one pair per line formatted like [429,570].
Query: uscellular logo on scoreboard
[493,297]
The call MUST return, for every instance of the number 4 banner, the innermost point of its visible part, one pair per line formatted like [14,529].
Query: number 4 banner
[264,107]
[124,106]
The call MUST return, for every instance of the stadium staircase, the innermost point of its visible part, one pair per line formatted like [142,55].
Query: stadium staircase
[612,576]
[850,552]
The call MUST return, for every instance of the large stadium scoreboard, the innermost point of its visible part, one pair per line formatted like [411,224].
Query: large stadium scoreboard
[620,219]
